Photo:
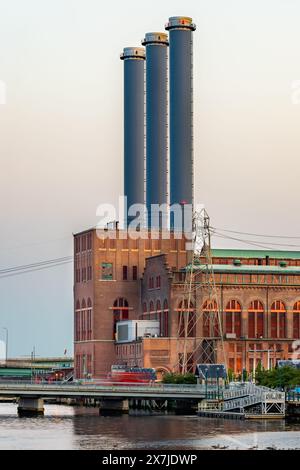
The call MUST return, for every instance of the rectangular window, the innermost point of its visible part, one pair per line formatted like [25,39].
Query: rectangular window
[106,271]
[112,243]
[77,245]
[134,273]
[125,274]
[83,243]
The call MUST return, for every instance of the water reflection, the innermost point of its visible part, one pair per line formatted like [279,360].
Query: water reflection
[66,427]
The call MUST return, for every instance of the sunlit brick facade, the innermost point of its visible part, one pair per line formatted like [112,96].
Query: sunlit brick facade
[258,292]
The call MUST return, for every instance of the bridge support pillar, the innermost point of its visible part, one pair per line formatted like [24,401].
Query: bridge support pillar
[111,406]
[28,406]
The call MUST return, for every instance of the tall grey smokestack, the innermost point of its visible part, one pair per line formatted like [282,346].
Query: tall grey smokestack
[134,146]
[156,122]
[181,109]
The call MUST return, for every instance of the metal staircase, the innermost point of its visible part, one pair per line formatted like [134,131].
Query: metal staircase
[254,399]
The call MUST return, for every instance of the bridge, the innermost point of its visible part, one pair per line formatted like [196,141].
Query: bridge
[247,398]
[31,396]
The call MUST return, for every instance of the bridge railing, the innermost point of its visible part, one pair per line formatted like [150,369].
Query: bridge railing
[122,386]
[293,396]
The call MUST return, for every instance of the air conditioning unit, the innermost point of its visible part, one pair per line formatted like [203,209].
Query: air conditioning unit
[230,335]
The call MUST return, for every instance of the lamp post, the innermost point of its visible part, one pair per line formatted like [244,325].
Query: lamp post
[218,381]
[206,372]
[268,351]
[6,343]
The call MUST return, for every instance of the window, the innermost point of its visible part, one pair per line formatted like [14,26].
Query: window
[233,323]
[106,271]
[158,282]
[278,319]
[163,320]
[83,274]
[134,273]
[210,319]
[186,319]
[256,319]
[120,312]
[83,242]
[158,310]
[77,244]
[151,312]
[125,273]
[296,320]
[83,320]
[89,319]
[89,241]
[112,243]
[144,309]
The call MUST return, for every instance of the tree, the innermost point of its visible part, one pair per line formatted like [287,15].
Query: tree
[173,378]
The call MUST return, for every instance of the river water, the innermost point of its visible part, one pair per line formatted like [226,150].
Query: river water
[67,427]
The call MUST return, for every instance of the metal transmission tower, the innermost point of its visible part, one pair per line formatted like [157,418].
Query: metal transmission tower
[199,335]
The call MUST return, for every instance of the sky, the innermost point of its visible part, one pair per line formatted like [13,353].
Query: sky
[61,135]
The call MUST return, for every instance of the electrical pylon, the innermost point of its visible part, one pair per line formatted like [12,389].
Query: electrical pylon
[200,332]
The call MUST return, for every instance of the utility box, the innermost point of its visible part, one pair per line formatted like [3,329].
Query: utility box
[131,330]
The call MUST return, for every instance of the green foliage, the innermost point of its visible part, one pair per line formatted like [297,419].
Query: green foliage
[173,378]
[281,377]
[230,375]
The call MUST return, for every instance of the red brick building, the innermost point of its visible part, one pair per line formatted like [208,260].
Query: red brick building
[120,279]
[107,288]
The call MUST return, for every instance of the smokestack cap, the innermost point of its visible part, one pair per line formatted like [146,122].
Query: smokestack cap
[133,53]
[180,22]
[155,38]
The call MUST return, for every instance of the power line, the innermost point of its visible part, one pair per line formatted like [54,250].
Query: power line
[255,234]
[38,268]
[242,241]
[45,263]
[289,245]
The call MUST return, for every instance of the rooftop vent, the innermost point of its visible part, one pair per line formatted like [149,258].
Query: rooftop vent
[237,262]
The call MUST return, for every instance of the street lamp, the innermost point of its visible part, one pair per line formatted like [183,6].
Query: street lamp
[267,351]
[218,380]
[6,343]
[206,372]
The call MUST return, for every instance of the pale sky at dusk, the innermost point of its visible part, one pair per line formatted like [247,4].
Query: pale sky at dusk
[61,134]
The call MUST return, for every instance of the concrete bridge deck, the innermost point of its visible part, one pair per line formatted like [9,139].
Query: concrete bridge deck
[122,391]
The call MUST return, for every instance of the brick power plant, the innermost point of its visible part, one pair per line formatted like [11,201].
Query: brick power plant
[131,305]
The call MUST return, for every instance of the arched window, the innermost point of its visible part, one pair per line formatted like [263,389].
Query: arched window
[186,319]
[233,323]
[164,326]
[278,319]
[83,320]
[151,310]
[77,321]
[256,319]
[296,320]
[210,319]
[89,319]
[144,310]
[120,312]
[158,310]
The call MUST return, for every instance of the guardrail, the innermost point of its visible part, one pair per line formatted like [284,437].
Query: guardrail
[293,396]
[59,387]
